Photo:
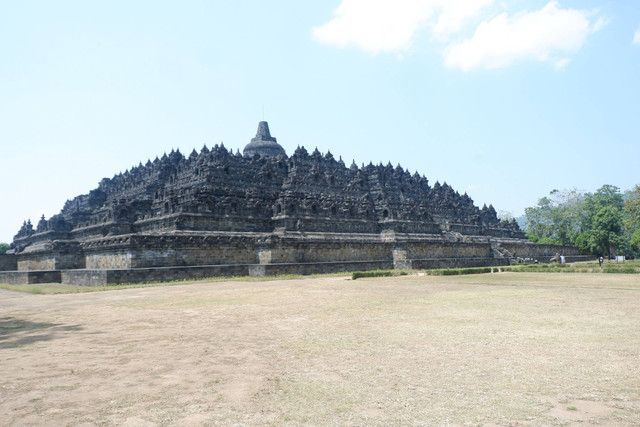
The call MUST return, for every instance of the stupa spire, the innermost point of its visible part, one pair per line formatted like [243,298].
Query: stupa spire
[263,133]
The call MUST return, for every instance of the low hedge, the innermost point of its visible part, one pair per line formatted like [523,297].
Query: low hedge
[459,271]
[377,273]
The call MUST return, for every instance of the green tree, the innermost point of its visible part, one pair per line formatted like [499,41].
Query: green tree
[632,208]
[583,242]
[607,195]
[548,241]
[635,239]
[631,218]
[557,217]
[4,247]
[602,222]
[607,232]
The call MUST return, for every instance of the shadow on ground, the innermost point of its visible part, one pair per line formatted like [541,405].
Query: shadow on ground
[16,332]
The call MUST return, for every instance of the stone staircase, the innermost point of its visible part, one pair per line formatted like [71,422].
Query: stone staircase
[499,251]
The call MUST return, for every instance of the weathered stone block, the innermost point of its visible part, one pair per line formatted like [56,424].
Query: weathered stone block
[8,262]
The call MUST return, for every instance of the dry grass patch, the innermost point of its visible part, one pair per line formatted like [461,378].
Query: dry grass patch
[495,349]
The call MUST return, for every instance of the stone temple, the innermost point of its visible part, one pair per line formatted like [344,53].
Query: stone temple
[216,213]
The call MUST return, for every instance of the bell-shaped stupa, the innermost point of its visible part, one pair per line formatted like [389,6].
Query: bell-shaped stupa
[263,144]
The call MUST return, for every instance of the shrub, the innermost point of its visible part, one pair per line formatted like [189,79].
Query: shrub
[377,273]
[476,270]
[549,241]
[458,271]
[619,269]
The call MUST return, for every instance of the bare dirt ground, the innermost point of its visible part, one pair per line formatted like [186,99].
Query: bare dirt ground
[494,349]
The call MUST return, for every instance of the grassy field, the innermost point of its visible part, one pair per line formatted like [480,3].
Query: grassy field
[484,349]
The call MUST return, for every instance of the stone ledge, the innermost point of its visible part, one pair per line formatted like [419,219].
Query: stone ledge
[458,262]
[153,274]
[8,262]
[100,277]
[305,268]
[28,277]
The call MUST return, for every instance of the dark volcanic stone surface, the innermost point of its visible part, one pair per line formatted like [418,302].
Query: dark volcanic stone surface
[216,190]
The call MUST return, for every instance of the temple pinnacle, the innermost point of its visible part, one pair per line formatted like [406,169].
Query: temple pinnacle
[263,143]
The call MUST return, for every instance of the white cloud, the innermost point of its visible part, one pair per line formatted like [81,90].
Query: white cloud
[538,35]
[561,63]
[600,23]
[389,26]
[455,14]
[636,37]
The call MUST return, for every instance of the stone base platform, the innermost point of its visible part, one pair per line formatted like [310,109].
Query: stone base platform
[99,277]
[432,263]
[30,277]
[305,268]
[153,274]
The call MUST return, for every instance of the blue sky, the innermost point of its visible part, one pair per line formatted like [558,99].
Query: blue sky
[505,100]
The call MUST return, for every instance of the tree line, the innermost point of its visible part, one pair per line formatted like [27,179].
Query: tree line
[606,222]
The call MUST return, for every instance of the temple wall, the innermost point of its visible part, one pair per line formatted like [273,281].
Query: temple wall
[296,252]
[226,223]
[189,254]
[419,250]
[229,253]
[530,250]
[90,231]
[121,252]
[8,262]
[43,237]
[260,270]
[39,263]
[202,222]
[456,263]
[499,232]
[145,275]
[350,226]
[414,227]
[121,259]
[51,261]
[467,229]
[29,277]
[326,225]
[287,251]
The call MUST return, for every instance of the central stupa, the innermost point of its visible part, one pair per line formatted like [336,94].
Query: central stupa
[263,144]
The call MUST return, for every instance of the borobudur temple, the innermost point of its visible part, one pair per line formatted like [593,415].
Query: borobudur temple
[219,213]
